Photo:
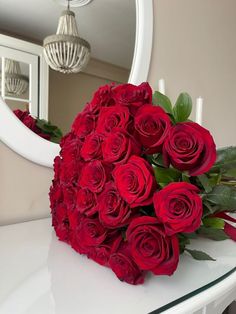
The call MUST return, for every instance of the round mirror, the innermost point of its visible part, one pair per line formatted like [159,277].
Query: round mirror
[120,36]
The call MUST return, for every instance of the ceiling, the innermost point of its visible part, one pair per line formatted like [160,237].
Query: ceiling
[108,25]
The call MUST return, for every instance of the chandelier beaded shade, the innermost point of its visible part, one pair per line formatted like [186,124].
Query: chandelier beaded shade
[66,51]
[15,83]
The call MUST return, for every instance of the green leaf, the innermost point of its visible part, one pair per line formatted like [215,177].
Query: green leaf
[205,182]
[157,159]
[214,179]
[199,255]
[213,234]
[183,241]
[163,101]
[223,196]
[165,176]
[226,159]
[183,107]
[214,222]
[185,177]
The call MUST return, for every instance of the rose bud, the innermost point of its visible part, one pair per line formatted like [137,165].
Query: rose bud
[151,248]
[135,181]
[178,207]
[189,146]
[152,125]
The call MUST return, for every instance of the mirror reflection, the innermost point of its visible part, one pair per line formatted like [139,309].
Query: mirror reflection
[84,47]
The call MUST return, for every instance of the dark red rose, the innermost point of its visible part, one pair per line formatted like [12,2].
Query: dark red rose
[90,232]
[111,118]
[118,146]
[178,207]
[70,151]
[103,97]
[152,125]
[93,176]
[101,253]
[91,148]
[69,196]
[83,124]
[57,167]
[60,222]
[55,194]
[135,181]
[133,96]
[86,202]
[21,114]
[151,248]
[113,211]
[123,265]
[189,146]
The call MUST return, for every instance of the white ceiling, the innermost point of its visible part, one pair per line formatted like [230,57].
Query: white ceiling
[108,25]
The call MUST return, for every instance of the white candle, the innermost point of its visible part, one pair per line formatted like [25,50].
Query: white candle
[199,104]
[161,86]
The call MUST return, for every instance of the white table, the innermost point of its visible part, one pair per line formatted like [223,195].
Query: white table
[41,275]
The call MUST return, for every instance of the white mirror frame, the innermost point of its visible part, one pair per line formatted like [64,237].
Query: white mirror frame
[24,142]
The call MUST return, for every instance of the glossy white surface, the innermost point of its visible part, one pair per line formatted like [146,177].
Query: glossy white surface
[39,274]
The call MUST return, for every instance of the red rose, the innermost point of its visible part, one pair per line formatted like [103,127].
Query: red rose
[135,181]
[55,194]
[91,148]
[69,196]
[113,210]
[57,167]
[21,114]
[60,222]
[86,202]
[152,125]
[83,124]
[123,265]
[103,97]
[189,146]
[113,117]
[178,207]
[101,253]
[90,232]
[93,176]
[118,146]
[133,96]
[151,248]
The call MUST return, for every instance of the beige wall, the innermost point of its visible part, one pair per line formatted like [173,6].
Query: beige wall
[24,188]
[68,94]
[195,51]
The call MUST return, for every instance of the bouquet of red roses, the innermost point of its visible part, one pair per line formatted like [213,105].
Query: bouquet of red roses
[136,180]
[41,127]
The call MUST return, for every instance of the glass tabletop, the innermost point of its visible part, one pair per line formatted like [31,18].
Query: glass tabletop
[40,274]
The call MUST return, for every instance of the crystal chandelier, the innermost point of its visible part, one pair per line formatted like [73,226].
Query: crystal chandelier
[15,83]
[66,51]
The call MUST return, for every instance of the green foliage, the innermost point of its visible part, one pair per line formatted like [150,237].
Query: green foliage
[199,255]
[165,176]
[52,130]
[163,101]
[205,182]
[211,233]
[213,222]
[222,196]
[157,160]
[226,161]
[182,108]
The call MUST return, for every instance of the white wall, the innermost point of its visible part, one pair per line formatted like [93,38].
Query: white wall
[195,51]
